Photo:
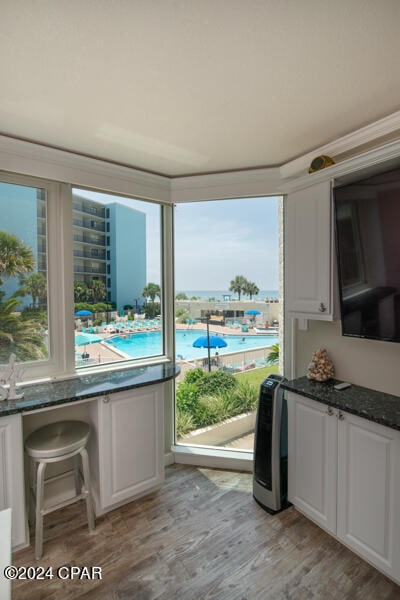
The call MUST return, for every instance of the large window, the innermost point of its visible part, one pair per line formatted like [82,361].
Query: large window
[229,317]
[118,282]
[81,278]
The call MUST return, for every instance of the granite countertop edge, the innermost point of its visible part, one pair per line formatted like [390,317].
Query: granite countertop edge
[84,387]
[369,404]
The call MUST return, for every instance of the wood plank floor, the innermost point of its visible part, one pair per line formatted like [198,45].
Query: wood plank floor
[201,537]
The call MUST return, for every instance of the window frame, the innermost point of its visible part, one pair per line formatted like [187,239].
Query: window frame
[60,277]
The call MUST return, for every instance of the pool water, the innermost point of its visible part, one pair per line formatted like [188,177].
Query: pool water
[149,343]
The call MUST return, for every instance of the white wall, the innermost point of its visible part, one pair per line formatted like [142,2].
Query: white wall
[369,363]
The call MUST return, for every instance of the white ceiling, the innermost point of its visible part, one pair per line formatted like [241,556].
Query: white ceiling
[193,86]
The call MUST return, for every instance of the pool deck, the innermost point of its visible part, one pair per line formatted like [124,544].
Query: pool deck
[221,329]
[103,353]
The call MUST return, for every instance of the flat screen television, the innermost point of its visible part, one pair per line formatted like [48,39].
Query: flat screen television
[367,232]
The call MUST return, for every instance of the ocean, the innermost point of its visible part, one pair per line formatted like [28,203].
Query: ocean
[219,294]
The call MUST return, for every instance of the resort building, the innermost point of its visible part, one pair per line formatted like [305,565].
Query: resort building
[125,254]
[109,245]
[102,234]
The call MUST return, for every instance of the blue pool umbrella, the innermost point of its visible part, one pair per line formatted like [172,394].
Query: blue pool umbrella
[83,339]
[209,341]
[213,341]
[84,313]
[253,312]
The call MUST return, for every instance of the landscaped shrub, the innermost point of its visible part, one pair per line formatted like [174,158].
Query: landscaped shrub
[194,375]
[246,396]
[100,307]
[187,395]
[211,409]
[184,422]
[216,381]
[204,399]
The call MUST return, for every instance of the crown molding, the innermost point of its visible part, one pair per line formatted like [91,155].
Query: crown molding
[220,186]
[29,158]
[345,144]
[370,162]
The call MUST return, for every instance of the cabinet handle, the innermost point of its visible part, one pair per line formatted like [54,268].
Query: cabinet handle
[329,410]
[106,399]
[340,416]
[322,307]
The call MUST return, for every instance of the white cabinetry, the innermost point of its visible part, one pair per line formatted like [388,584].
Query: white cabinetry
[312,475]
[309,272]
[344,474]
[369,491]
[127,451]
[12,494]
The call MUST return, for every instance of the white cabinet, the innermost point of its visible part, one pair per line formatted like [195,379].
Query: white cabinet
[312,468]
[12,493]
[369,491]
[127,446]
[309,268]
[344,474]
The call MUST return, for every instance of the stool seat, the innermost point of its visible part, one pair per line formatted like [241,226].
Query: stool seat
[57,439]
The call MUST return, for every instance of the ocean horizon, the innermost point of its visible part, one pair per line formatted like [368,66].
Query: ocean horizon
[219,294]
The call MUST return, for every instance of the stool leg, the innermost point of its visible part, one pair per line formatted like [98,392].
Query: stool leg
[32,492]
[86,484]
[39,510]
[77,476]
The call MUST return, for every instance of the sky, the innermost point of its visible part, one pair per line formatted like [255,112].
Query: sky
[214,241]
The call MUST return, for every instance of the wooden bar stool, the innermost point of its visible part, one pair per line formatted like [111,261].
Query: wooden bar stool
[50,444]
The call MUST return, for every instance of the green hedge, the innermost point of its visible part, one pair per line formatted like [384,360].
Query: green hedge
[206,398]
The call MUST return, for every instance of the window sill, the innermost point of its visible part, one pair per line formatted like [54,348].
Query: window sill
[217,458]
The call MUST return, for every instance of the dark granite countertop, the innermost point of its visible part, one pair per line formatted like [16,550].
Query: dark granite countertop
[363,402]
[53,393]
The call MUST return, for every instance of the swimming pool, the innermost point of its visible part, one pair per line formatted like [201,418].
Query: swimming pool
[148,343]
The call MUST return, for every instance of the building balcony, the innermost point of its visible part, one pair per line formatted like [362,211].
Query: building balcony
[93,211]
[81,254]
[91,270]
[94,225]
[86,239]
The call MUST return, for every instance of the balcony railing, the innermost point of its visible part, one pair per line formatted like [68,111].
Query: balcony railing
[100,212]
[86,239]
[80,254]
[92,270]
[88,225]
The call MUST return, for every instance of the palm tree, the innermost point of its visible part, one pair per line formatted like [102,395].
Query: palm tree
[151,290]
[15,257]
[273,356]
[97,290]
[34,284]
[18,335]
[251,289]
[238,284]
[80,291]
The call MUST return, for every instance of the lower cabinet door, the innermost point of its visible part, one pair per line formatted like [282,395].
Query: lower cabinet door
[312,470]
[130,442]
[369,491]
[12,493]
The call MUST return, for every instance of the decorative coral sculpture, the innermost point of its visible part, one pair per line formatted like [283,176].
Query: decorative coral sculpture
[321,366]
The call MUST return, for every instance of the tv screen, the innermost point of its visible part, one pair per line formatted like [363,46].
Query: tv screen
[367,231]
